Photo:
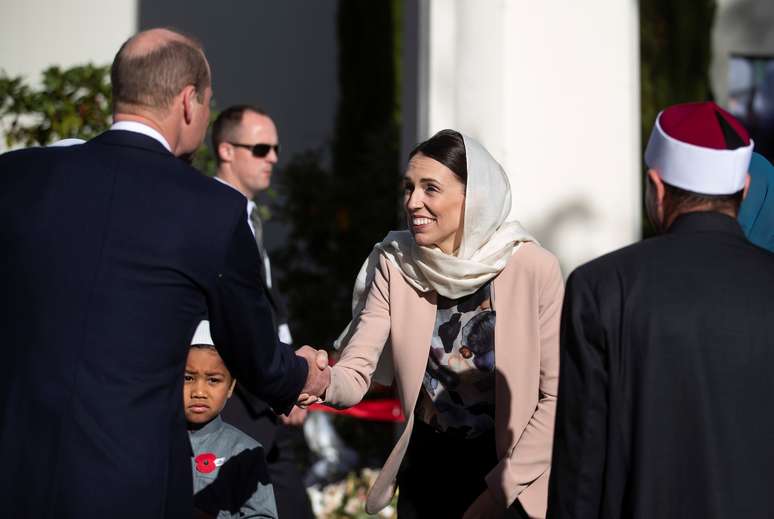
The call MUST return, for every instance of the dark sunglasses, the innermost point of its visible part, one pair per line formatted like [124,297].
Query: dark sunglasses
[259,150]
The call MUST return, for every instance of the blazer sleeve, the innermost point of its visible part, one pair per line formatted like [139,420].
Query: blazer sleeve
[575,486]
[243,328]
[351,375]
[531,455]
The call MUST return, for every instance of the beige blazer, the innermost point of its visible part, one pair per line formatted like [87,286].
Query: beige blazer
[527,297]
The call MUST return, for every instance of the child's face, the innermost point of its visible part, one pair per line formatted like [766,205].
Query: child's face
[208,384]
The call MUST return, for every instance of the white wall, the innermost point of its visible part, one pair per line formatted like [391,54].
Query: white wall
[35,34]
[552,90]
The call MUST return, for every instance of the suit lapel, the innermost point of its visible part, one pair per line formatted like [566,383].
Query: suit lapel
[412,352]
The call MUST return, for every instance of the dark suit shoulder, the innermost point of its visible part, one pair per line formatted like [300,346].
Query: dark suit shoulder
[24,159]
[681,259]
[625,257]
[145,159]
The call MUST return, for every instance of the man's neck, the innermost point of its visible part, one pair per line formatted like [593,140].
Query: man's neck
[212,424]
[169,135]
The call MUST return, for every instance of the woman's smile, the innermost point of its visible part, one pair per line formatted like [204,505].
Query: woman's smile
[434,200]
[420,223]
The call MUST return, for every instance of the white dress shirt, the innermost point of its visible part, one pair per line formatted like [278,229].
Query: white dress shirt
[134,126]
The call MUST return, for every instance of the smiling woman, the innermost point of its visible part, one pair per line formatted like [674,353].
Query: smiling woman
[434,191]
[462,311]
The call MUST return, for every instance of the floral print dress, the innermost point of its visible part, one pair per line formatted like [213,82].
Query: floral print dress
[458,386]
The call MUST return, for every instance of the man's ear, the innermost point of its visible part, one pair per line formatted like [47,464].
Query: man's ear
[189,102]
[225,152]
[654,199]
[747,180]
[231,389]
[658,185]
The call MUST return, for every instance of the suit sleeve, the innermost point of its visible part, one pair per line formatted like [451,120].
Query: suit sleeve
[243,328]
[580,438]
[351,376]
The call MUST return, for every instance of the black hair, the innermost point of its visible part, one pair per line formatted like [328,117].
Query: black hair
[677,200]
[448,148]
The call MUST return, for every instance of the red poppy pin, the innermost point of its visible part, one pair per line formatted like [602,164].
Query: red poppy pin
[205,462]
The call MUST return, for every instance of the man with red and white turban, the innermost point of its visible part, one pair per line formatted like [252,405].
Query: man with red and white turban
[667,347]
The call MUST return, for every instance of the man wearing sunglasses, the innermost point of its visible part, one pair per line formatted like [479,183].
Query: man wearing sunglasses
[246,146]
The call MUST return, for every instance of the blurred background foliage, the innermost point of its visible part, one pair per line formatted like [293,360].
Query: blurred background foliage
[72,102]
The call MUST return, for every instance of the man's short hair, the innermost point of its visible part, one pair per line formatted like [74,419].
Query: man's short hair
[677,200]
[152,80]
[226,124]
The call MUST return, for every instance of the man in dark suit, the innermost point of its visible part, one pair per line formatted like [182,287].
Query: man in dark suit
[667,357]
[113,250]
[246,146]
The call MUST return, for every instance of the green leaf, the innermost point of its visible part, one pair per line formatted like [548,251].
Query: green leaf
[73,102]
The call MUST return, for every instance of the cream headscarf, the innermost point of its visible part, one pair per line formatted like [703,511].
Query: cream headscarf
[488,241]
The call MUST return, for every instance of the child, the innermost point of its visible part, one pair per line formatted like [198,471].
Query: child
[229,470]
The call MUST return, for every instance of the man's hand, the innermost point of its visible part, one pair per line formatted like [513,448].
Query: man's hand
[484,507]
[319,377]
[295,418]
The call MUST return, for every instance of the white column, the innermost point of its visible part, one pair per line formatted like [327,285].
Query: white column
[552,90]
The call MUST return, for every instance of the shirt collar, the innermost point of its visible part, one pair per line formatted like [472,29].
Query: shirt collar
[705,221]
[134,126]
[212,427]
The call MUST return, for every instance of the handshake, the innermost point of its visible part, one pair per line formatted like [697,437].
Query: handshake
[319,377]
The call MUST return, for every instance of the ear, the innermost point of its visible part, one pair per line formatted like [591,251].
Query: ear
[190,103]
[658,185]
[654,199]
[225,152]
[231,389]
[747,180]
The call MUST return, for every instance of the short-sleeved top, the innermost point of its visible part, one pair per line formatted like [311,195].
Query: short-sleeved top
[229,473]
[458,386]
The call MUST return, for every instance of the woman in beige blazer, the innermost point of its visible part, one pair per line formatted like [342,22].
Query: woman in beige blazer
[462,312]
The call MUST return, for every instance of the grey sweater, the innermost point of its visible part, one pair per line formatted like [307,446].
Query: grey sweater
[229,473]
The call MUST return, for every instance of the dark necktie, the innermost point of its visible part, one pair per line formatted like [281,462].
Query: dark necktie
[255,219]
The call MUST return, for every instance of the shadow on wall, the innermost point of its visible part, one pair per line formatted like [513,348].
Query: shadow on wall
[563,231]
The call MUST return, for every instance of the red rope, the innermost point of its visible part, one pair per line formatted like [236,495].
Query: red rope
[379,410]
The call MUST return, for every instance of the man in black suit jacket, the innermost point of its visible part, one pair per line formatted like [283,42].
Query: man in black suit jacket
[667,353]
[112,251]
